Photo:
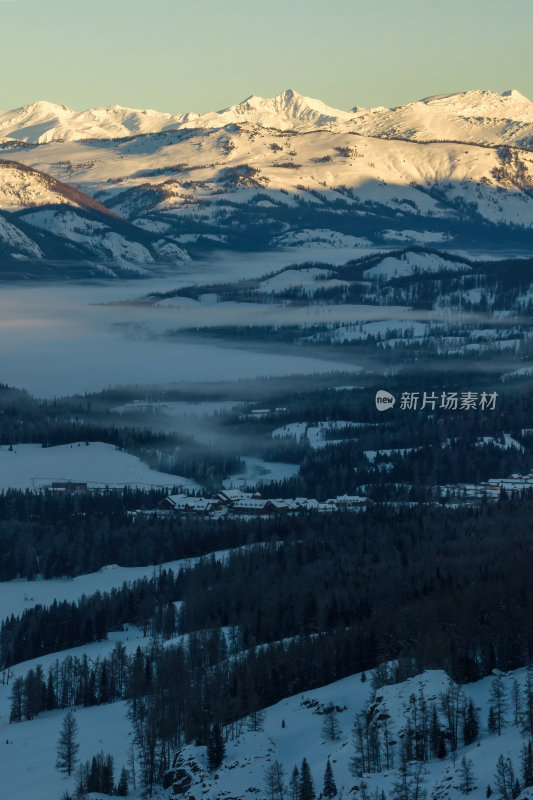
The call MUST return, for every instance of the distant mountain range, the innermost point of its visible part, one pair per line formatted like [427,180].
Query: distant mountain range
[483,117]
[114,190]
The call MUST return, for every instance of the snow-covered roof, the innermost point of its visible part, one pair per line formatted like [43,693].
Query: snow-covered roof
[235,494]
[250,503]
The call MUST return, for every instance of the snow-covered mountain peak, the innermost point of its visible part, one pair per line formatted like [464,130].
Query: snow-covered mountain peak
[43,107]
[510,104]
[515,95]
[287,110]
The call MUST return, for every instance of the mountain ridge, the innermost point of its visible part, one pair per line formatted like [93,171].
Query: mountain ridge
[482,116]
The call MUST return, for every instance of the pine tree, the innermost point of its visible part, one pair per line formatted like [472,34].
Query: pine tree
[471,724]
[330,726]
[418,782]
[527,764]
[122,786]
[306,789]
[491,724]
[216,749]
[517,702]
[275,781]
[410,783]
[108,776]
[466,775]
[401,786]
[330,788]
[358,761]
[498,700]
[294,784]
[67,745]
[505,778]
[16,700]
[93,779]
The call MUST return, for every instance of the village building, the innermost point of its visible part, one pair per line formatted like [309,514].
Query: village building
[348,501]
[68,487]
[184,504]
[252,506]
[229,496]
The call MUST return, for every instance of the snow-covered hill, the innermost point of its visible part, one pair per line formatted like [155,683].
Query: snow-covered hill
[220,183]
[43,219]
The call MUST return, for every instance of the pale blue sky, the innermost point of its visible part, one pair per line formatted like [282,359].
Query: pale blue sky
[200,55]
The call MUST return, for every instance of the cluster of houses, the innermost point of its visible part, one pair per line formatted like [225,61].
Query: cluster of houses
[491,488]
[239,503]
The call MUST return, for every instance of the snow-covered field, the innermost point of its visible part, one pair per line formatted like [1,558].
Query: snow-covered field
[30,466]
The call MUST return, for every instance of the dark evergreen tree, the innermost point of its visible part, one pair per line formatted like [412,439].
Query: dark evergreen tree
[123,784]
[294,784]
[67,744]
[527,764]
[471,723]
[216,749]
[93,779]
[108,775]
[498,701]
[330,788]
[16,700]
[492,724]
[306,789]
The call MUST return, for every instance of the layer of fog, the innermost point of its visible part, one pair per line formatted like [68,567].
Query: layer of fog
[65,338]
[54,341]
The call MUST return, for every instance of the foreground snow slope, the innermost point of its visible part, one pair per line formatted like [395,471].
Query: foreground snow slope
[291,730]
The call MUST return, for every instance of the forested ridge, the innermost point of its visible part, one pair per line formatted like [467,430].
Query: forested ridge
[442,586]
[422,587]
